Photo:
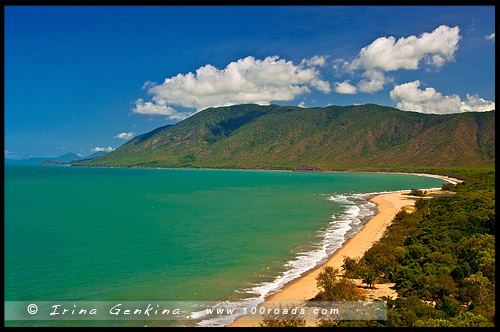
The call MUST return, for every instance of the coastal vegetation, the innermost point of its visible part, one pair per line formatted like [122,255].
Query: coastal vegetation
[440,257]
[335,288]
[417,192]
[285,318]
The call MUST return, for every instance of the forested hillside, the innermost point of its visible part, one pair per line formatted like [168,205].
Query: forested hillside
[363,137]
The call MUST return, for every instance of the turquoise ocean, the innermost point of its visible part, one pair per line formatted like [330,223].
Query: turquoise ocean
[122,234]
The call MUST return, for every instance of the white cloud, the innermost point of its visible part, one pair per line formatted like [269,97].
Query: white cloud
[302,104]
[6,153]
[374,81]
[387,54]
[97,149]
[147,84]
[410,98]
[125,135]
[490,37]
[317,60]
[340,66]
[476,104]
[150,108]
[247,80]
[345,87]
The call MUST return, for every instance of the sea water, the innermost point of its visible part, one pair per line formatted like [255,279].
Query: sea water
[122,234]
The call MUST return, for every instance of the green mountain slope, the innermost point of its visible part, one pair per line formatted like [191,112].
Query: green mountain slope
[361,137]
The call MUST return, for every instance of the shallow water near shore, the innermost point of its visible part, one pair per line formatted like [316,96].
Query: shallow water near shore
[112,234]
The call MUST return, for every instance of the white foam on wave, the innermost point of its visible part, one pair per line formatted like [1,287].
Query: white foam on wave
[355,209]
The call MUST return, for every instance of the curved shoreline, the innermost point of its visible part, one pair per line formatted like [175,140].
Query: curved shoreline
[304,287]
[444,177]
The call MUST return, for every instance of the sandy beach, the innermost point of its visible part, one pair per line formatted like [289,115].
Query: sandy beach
[304,288]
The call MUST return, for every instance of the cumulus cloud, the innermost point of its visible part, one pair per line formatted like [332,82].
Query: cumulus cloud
[158,108]
[374,81]
[317,60]
[345,88]
[490,37]
[125,135]
[476,104]
[97,149]
[410,98]
[387,54]
[247,80]
[302,104]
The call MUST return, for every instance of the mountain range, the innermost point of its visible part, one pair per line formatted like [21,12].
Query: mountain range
[357,137]
[64,159]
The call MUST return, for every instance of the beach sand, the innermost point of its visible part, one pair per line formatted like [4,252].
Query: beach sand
[304,288]
[446,178]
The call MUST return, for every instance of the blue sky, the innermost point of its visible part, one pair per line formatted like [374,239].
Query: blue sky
[82,79]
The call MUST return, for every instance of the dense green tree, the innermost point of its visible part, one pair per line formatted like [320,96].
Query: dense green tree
[441,258]
[370,279]
[334,287]
[350,267]
[417,192]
